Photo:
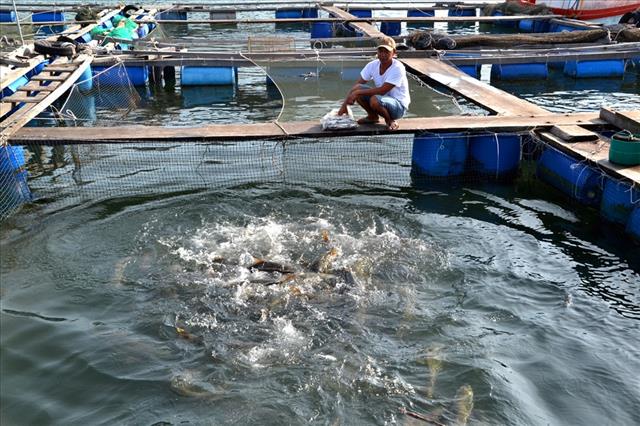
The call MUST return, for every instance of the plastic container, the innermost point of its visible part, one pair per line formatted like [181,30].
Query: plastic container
[519,71]
[139,76]
[391,28]
[11,88]
[510,23]
[439,155]
[618,200]
[625,149]
[288,13]
[462,12]
[361,13]
[534,26]
[321,30]
[49,17]
[494,155]
[310,12]
[172,16]
[11,158]
[595,69]
[207,76]
[472,70]
[7,16]
[85,82]
[570,176]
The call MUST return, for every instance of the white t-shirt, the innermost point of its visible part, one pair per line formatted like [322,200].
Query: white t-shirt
[395,75]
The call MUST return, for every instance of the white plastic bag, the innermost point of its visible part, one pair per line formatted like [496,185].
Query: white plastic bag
[333,121]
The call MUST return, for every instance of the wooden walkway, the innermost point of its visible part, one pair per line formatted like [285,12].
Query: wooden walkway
[236,132]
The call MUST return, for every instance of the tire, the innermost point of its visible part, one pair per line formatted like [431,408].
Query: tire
[56,48]
[127,10]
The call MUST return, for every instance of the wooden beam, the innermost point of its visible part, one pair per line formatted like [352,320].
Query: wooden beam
[596,152]
[18,98]
[364,27]
[34,86]
[237,132]
[572,133]
[626,120]
[484,95]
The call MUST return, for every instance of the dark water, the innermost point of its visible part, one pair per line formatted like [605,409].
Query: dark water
[127,298]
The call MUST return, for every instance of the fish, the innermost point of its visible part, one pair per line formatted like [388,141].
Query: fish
[434,362]
[188,336]
[185,385]
[268,266]
[464,404]
[324,262]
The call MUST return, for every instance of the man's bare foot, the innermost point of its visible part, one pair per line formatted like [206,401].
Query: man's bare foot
[368,120]
[393,125]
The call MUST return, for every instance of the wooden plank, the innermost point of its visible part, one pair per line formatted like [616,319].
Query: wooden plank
[364,27]
[49,77]
[60,68]
[225,132]
[5,108]
[626,120]
[484,95]
[17,98]
[15,121]
[34,86]
[571,133]
[595,152]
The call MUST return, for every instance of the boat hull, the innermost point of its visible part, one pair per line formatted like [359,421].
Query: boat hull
[589,9]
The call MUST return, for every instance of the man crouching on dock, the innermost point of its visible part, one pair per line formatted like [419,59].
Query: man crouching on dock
[389,98]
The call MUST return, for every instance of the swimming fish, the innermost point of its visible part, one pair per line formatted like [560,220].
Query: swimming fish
[268,266]
[185,385]
[323,263]
[188,336]
[434,362]
[464,404]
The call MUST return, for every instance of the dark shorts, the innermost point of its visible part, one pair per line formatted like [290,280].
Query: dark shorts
[392,105]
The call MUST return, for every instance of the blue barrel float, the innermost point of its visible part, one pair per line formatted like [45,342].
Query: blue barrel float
[570,176]
[85,81]
[472,70]
[289,13]
[13,87]
[49,16]
[14,190]
[207,76]
[418,13]
[618,200]
[391,28]
[309,12]
[633,223]
[172,15]
[595,69]
[7,16]
[119,76]
[322,30]
[439,155]
[509,24]
[519,71]
[494,155]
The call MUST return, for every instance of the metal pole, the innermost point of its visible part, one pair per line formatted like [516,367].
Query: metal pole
[15,10]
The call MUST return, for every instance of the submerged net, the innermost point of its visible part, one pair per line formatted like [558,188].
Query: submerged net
[59,176]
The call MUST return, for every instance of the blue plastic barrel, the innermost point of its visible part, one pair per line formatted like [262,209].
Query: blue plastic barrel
[570,176]
[107,24]
[85,81]
[117,76]
[391,28]
[618,200]
[85,38]
[361,13]
[519,71]
[321,30]
[309,12]
[11,158]
[633,223]
[194,96]
[597,69]
[207,76]
[7,16]
[11,88]
[462,12]
[558,28]
[439,155]
[494,155]
[509,23]
[288,13]
[472,70]
[49,16]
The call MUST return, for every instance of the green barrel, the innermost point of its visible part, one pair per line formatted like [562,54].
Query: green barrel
[625,149]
